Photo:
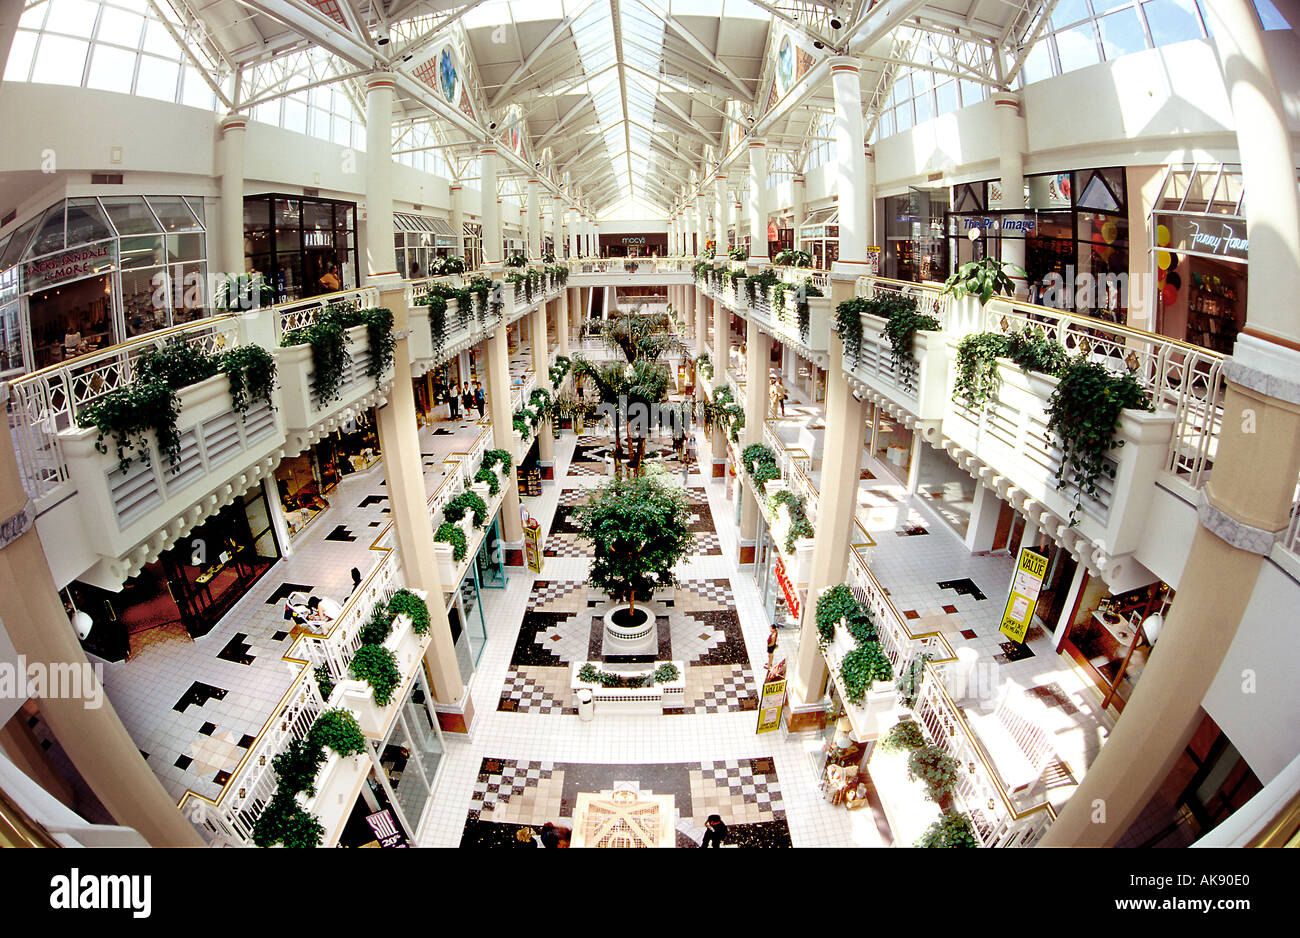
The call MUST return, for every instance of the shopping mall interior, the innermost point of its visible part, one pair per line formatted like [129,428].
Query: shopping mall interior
[649,423]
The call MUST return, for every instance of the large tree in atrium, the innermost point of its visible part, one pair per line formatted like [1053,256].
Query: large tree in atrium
[633,391]
[640,529]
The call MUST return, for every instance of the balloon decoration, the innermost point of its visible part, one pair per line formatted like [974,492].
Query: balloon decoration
[1167,262]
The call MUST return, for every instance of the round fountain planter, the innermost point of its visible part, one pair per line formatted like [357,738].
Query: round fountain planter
[637,637]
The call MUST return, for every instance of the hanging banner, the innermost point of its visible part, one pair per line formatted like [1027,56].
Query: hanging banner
[1031,567]
[533,545]
[770,706]
[787,588]
[873,260]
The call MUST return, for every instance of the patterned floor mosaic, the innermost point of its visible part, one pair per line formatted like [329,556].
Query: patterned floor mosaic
[512,794]
[563,625]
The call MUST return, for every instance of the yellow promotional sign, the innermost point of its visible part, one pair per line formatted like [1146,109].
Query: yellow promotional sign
[1031,567]
[769,708]
[533,547]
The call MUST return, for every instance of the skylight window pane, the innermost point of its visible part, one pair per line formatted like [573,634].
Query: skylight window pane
[72,17]
[1077,47]
[120,27]
[1172,21]
[111,69]
[1068,12]
[157,78]
[20,56]
[1121,34]
[157,41]
[59,61]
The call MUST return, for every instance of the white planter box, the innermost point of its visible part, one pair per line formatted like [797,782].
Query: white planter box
[803,550]
[633,700]
[358,390]
[359,697]
[149,507]
[448,568]
[337,784]
[482,490]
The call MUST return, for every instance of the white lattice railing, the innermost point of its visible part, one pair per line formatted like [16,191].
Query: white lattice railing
[301,313]
[995,818]
[897,641]
[1182,379]
[930,298]
[230,819]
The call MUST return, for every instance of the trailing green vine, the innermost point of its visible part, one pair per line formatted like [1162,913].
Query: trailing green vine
[1083,414]
[977,378]
[491,478]
[835,604]
[862,666]
[953,829]
[760,463]
[848,323]
[377,666]
[903,736]
[456,507]
[437,305]
[902,322]
[800,527]
[664,674]
[406,603]
[493,457]
[450,533]
[936,769]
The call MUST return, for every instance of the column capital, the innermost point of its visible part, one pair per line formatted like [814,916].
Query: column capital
[454,187]
[755,142]
[487,150]
[1006,99]
[233,122]
[869,152]
[381,80]
[844,63]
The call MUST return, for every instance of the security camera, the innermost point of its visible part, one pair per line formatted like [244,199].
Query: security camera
[381,36]
[492,125]
[538,164]
[817,44]
[835,24]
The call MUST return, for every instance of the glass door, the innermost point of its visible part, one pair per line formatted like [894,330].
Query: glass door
[489,567]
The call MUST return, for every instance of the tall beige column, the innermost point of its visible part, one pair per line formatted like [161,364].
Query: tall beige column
[846,420]
[1014,140]
[490,209]
[800,209]
[757,203]
[1247,501]
[231,150]
[758,352]
[381,254]
[721,203]
[534,209]
[719,356]
[457,193]
[562,323]
[539,343]
[399,441]
[498,400]
[93,736]
[850,175]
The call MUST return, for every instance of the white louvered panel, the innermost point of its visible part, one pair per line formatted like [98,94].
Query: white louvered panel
[190,469]
[221,439]
[134,492]
[258,421]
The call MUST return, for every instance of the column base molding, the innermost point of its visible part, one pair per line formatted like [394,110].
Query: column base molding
[719,468]
[747,551]
[547,468]
[458,717]
[802,719]
[514,554]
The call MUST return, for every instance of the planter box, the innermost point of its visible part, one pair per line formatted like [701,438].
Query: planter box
[303,412]
[359,697]
[633,700]
[482,490]
[128,518]
[338,782]
[1011,437]
[448,568]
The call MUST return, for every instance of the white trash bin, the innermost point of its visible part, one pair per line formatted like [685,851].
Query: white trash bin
[586,705]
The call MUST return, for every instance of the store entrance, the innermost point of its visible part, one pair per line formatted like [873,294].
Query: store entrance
[71,320]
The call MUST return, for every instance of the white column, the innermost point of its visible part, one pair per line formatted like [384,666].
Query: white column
[720,206]
[1011,169]
[457,217]
[557,227]
[381,256]
[702,215]
[573,231]
[490,210]
[800,209]
[534,221]
[758,200]
[232,193]
[850,165]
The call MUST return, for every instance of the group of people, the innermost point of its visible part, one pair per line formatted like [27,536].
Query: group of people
[779,396]
[461,396]
[552,835]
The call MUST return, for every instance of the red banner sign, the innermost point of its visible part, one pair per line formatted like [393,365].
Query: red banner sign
[787,589]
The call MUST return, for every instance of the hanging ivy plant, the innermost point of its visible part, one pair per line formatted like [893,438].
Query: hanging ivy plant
[1082,417]
[377,666]
[437,322]
[904,736]
[801,295]
[936,769]
[517,259]
[491,478]
[953,829]
[285,821]
[493,457]
[757,285]
[760,463]
[128,414]
[800,527]
[984,279]
[406,603]
[250,369]
[977,379]
[541,402]
[833,605]
[455,509]
[338,730]
[902,322]
[848,323]
[861,666]
[449,533]
[909,682]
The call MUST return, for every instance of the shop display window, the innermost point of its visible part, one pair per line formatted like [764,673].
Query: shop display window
[304,247]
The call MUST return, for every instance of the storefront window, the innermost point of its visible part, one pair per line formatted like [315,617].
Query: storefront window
[915,248]
[304,247]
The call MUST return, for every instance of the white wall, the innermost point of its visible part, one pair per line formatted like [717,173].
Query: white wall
[1255,698]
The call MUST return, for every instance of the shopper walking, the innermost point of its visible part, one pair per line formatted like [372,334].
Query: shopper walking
[479,398]
[467,399]
[714,832]
[771,646]
[453,402]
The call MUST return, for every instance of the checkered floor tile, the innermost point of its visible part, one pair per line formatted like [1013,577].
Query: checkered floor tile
[527,697]
[706,544]
[566,545]
[547,591]
[571,497]
[510,778]
[741,780]
[718,590]
[732,693]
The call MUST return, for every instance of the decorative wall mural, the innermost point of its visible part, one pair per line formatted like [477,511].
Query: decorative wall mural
[447,75]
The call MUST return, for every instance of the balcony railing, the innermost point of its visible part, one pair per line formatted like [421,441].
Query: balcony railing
[996,817]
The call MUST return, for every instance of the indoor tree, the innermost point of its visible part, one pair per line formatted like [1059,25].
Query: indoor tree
[640,529]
